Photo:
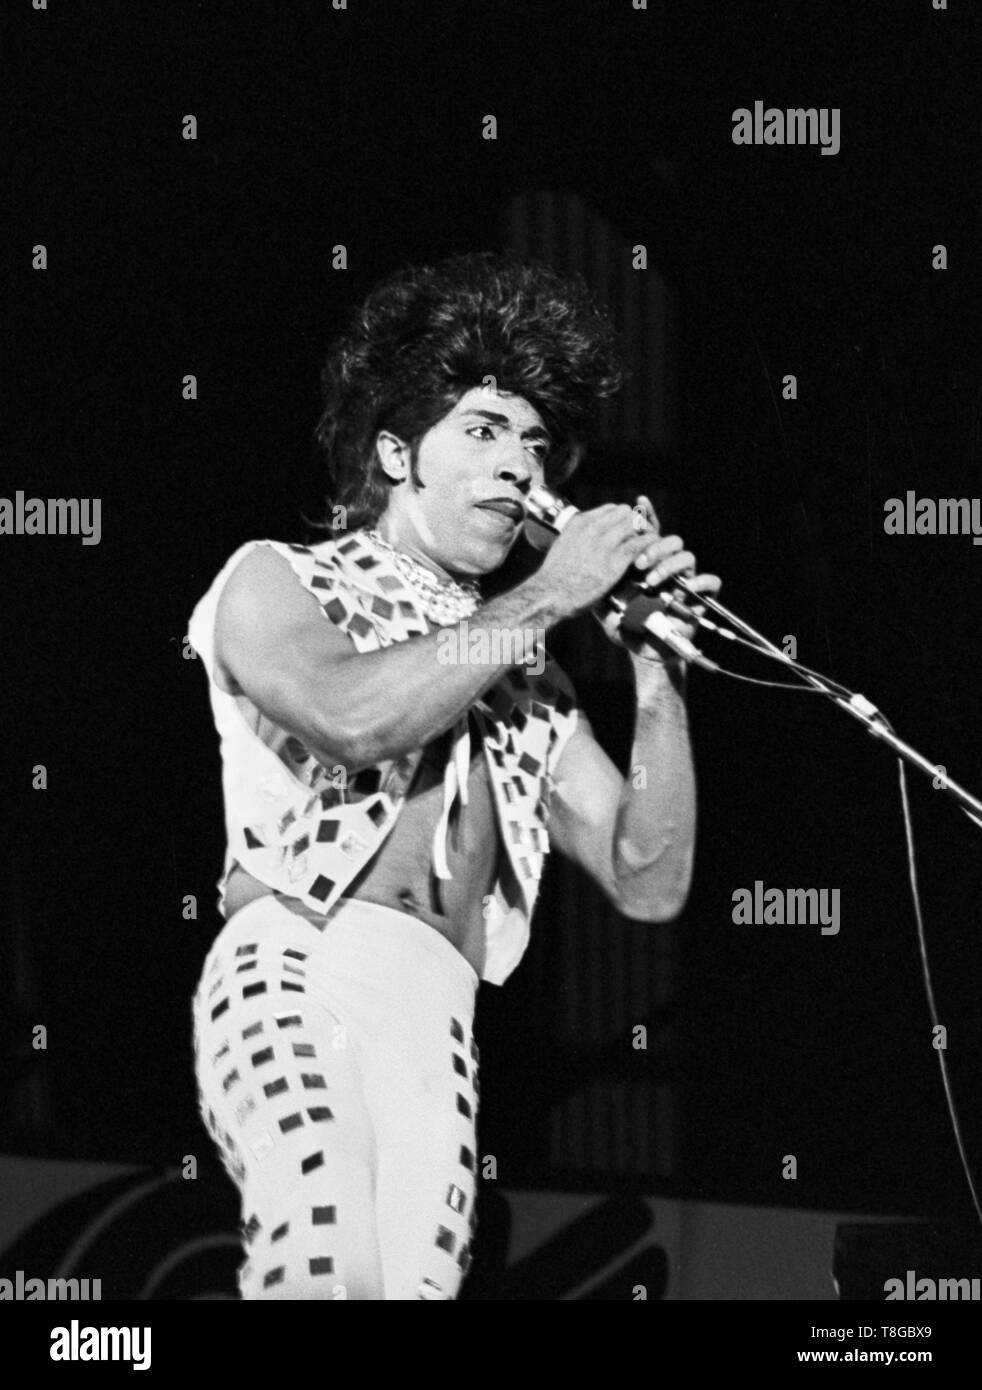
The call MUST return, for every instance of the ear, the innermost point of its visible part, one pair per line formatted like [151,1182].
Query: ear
[393,454]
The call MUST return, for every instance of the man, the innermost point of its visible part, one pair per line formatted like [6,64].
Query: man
[387,808]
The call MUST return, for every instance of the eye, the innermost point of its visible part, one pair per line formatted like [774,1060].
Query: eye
[488,428]
[540,449]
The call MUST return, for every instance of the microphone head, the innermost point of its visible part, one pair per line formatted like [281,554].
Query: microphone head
[544,507]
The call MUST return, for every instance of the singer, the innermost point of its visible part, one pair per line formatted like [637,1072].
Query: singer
[387,813]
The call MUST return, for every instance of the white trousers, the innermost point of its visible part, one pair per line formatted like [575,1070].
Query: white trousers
[338,1075]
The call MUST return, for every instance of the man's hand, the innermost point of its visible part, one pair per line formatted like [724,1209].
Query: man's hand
[600,547]
[589,556]
[659,559]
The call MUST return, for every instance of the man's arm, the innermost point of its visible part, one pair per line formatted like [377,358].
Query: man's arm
[636,841]
[274,644]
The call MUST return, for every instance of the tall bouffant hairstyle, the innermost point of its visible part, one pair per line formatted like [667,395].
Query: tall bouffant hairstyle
[425,336]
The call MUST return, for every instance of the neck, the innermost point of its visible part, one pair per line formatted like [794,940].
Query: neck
[383,529]
[442,598]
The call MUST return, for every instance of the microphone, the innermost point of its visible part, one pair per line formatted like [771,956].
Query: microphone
[636,601]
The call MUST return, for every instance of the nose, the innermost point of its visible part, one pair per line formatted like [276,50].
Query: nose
[514,468]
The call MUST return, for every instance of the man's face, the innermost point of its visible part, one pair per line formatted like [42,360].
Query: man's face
[489,446]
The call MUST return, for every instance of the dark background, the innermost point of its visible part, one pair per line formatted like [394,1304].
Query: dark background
[362,127]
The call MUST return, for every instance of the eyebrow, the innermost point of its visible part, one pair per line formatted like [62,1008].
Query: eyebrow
[536,431]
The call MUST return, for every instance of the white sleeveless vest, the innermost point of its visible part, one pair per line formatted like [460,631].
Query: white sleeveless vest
[289,824]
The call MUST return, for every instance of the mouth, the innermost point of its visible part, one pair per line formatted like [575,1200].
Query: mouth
[504,506]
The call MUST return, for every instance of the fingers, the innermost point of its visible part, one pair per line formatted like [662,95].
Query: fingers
[705,583]
[661,567]
[645,516]
[661,556]
[665,557]
[635,534]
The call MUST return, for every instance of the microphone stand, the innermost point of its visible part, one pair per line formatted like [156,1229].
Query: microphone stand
[857,705]
[552,512]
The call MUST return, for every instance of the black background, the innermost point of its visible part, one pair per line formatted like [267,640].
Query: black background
[362,127]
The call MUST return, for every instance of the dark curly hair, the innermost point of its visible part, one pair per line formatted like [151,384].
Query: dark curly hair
[425,336]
